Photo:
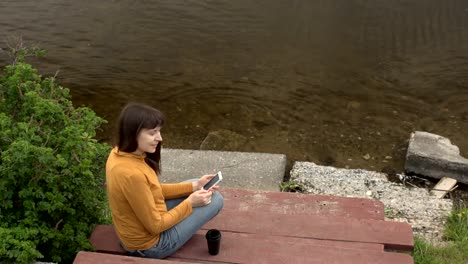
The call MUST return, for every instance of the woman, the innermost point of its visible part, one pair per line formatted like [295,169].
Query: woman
[152,219]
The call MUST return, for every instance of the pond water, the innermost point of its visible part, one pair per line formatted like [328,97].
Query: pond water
[335,82]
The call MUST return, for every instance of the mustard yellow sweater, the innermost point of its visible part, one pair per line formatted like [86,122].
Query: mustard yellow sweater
[136,199]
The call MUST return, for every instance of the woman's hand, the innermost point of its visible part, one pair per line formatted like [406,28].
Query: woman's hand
[202,182]
[200,198]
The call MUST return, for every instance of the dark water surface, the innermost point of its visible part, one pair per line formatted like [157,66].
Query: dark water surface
[326,81]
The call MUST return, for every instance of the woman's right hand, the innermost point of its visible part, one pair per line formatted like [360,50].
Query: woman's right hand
[200,198]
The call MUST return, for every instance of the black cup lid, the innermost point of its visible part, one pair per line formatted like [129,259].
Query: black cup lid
[213,234]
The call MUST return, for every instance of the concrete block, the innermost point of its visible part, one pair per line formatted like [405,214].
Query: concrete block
[255,171]
[434,156]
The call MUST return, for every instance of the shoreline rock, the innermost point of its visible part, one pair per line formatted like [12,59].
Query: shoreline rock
[435,156]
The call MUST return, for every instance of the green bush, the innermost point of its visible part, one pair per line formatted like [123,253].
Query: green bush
[51,169]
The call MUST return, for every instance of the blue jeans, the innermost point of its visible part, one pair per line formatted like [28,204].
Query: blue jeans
[175,237]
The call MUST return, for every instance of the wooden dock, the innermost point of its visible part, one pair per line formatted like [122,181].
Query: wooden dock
[276,227]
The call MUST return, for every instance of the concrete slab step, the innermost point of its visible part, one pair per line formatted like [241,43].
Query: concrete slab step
[255,171]
[436,157]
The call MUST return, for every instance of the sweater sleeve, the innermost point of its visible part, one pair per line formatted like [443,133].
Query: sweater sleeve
[176,190]
[139,196]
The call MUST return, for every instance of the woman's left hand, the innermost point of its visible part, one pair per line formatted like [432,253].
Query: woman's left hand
[203,181]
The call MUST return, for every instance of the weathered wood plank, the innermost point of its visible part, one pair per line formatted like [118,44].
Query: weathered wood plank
[252,248]
[443,186]
[394,235]
[85,257]
[293,241]
[296,203]
[273,202]
[274,227]
[105,240]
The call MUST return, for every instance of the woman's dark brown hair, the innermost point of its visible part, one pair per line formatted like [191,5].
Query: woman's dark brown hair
[133,118]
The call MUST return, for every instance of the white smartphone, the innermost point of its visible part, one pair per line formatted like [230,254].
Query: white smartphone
[214,181]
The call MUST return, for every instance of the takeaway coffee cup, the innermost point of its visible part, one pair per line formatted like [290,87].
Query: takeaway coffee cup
[213,237]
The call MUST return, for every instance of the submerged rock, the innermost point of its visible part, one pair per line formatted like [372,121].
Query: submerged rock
[223,140]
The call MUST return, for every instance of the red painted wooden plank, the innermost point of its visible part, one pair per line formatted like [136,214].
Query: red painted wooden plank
[249,248]
[296,203]
[394,235]
[196,261]
[304,241]
[290,203]
[105,240]
[84,257]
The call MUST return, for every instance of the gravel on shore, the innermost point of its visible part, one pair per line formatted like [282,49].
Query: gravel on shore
[426,214]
